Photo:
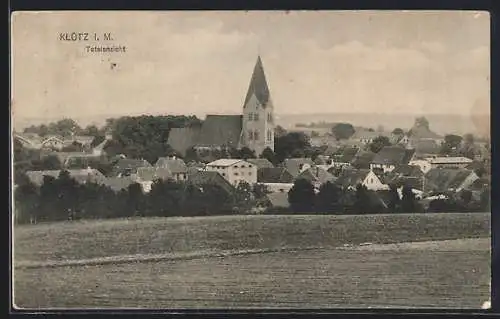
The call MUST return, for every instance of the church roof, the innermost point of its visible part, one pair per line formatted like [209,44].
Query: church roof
[258,85]
[220,130]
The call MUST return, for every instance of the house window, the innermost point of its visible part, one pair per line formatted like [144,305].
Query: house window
[236,174]
[249,173]
[256,116]
[250,116]
[269,117]
[249,166]
[223,174]
[235,166]
[250,135]
[269,135]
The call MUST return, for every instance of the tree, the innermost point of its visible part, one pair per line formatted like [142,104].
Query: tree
[191,155]
[343,131]
[408,200]
[268,154]
[260,191]
[91,130]
[378,143]
[362,200]
[451,143]
[279,131]
[314,134]
[421,122]
[145,136]
[292,144]
[394,200]
[302,196]
[329,198]
[26,201]
[246,153]
[135,200]
[398,131]
[244,198]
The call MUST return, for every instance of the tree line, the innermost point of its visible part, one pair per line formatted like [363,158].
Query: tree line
[63,198]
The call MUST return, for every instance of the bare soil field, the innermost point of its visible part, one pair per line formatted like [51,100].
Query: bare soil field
[256,261]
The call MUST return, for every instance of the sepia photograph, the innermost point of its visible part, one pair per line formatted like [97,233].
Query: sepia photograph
[250,160]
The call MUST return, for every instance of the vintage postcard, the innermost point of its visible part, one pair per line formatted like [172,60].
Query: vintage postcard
[260,159]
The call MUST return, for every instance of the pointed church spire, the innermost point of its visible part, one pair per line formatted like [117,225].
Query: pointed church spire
[258,84]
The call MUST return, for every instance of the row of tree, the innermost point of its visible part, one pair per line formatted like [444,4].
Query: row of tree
[331,198]
[63,198]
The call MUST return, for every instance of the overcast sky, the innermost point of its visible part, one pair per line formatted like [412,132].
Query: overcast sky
[201,62]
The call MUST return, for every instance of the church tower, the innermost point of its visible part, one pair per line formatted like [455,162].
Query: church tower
[258,113]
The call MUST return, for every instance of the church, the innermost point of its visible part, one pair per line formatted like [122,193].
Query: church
[253,129]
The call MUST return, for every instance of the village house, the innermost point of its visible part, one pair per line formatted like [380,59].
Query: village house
[200,178]
[128,166]
[350,178]
[174,165]
[275,179]
[146,176]
[254,128]
[234,170]
[449,162]
[81,176]
[316,176]
[344,157]
[295,166]
[448,179]
[363,159]
[365,137]
[389,157]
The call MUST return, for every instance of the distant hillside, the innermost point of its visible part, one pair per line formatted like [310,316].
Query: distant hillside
[439,123]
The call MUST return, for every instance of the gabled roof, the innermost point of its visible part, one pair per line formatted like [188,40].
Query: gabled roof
[82,139]
[129,163]
[351,177]
[316,175]
[331,149]
[260,162]
[293,165]
[445,179]
[153,173]
[408,170]
[174,165]
[258,85]
[345,154]
[212,178]
[181,139]
[79,175]
[220,130]
[363,159]
[393,155]
[274,175]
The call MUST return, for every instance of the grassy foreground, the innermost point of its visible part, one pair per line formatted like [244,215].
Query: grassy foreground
[454,273]
[91,239]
